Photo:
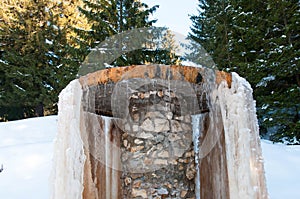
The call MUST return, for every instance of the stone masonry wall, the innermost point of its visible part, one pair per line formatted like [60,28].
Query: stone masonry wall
[156,150]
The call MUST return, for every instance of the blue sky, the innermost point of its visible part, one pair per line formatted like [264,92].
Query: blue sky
[174,13]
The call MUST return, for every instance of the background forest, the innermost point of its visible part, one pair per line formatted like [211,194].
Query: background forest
[43,43]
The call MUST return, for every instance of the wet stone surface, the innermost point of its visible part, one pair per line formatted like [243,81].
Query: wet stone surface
[157,149]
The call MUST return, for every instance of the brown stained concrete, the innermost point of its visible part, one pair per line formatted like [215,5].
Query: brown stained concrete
[189,73]
[102,173]
[213,168]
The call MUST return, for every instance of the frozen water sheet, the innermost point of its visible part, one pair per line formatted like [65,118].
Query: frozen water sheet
[243,150]
[69,158]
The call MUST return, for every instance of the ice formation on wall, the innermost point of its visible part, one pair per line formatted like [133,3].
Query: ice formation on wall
[197,122]
[243,148]
[67,174]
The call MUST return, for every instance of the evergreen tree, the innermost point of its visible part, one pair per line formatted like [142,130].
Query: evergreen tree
[260,41]
[37,60]
[278,89]
[161,47]
[111,17]
[211,30]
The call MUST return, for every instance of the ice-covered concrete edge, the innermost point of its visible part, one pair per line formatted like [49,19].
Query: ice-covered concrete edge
[243,149]
[66,178]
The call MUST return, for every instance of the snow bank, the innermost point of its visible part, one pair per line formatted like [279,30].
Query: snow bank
[26,148]
[282,166]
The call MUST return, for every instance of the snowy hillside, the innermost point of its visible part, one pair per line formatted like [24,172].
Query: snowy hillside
[26,151]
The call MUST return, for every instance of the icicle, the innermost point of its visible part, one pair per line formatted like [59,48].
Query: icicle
[104,90]
[112,160]
[107,156]
[197,129]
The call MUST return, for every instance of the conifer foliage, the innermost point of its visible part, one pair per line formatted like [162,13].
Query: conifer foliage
[259,40]
[36,59]
[111,17]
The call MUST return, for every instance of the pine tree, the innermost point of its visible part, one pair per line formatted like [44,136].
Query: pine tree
[116,20]
[211,30]
[260,41]
[161,47]
[278,91]
[37,59]
[16,38]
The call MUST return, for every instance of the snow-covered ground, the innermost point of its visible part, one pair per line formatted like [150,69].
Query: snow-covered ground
[282,167]
[26,154]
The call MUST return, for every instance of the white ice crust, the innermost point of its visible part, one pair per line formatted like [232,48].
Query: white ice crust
[68,164]
[243,150]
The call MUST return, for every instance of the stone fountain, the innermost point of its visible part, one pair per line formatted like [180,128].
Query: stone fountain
[158,131]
